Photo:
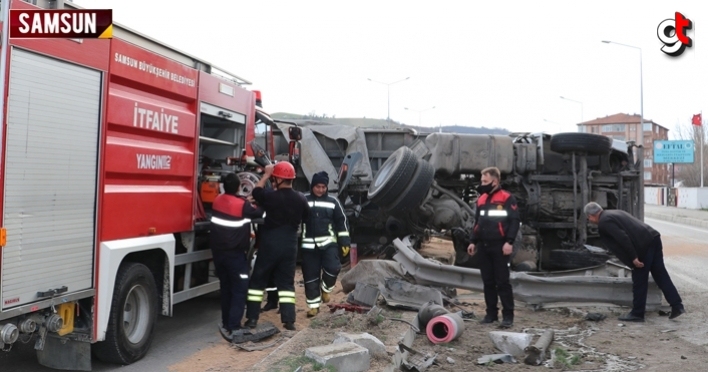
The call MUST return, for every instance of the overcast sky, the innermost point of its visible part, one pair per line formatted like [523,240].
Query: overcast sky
[480,63]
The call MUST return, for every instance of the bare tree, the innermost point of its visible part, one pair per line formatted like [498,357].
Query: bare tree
[691,173]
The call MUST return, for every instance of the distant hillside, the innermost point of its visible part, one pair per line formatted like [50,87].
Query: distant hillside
[382,123]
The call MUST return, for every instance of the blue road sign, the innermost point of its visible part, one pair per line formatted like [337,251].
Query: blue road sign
[676,152]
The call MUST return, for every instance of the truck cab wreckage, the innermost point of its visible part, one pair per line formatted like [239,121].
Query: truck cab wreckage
[400,184]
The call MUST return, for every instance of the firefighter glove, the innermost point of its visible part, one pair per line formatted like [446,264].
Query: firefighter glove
[345,250]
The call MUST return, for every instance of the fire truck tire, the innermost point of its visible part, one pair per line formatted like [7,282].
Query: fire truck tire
[132,318]
[581,142]
[393,177]
[416,190]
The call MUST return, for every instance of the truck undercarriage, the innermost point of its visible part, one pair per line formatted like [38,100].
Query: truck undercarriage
[395,183]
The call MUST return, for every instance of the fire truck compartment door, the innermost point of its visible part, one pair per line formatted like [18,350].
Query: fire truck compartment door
[51,162]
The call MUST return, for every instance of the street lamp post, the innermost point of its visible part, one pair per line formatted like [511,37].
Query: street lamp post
[581,106]
[641,89]
[388,88]
[419,112]
[641,120]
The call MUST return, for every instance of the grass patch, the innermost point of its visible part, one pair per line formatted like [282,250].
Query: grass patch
[340,321]
[292,363]
[565,359]
[317,323]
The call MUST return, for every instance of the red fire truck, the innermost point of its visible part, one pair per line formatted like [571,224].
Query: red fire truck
[111,152]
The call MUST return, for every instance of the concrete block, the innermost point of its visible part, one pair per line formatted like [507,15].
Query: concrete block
[344,357]
[371,343]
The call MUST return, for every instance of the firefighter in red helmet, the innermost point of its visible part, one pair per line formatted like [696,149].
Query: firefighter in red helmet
[285,210]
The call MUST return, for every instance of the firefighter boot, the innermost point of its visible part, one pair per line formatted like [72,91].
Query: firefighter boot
[270,306]
[312,312]
[251,323]
[325,297]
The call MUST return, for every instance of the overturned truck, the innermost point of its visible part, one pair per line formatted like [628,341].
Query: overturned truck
[395,183]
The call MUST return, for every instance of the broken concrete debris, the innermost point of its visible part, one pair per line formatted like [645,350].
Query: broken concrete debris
[344,356]
[371,343]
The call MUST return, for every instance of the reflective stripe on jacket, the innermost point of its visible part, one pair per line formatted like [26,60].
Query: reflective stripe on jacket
[326,223]
[496,218]
[231,223]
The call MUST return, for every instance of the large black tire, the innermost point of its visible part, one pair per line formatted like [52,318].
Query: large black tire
[416,190]
[133,316]
[581,142]
[563,259]
[393,177]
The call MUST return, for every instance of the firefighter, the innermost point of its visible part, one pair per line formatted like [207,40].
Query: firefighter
[497,222]
[285,209]
[271,290]
[229,240]
[325,231]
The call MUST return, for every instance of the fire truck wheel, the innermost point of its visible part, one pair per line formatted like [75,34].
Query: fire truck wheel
[581,142]
[248,182]
[393,177]
[415,192]
[133,316]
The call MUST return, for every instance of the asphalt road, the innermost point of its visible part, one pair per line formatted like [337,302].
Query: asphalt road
[686,258]
[192,328]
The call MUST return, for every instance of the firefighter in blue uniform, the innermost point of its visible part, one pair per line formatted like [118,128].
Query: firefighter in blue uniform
[492,238]
[229,240]
[325,231]
[285,209]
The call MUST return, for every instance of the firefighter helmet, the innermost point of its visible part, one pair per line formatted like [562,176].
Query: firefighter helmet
[284,170]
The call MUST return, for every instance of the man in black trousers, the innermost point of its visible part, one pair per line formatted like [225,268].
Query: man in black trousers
[497,222]
[230,239]
[639,247]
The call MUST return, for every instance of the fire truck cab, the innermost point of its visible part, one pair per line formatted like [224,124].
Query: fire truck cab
[111,151]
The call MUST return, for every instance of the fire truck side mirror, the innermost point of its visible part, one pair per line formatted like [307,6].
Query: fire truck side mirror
[295,133]
[294,153]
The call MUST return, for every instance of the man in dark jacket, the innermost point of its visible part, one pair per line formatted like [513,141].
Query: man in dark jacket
[229,240]
[285,209]
[497,222]
[639,247]
[324,233]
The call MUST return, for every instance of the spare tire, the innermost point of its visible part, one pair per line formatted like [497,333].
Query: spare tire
[393,176]
[414,193]
[581,142]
